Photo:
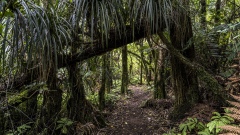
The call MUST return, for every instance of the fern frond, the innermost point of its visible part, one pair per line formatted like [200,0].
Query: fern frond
[236,104]
[236,97]
[228,134]
[235,116]
[233,129]
[234,110]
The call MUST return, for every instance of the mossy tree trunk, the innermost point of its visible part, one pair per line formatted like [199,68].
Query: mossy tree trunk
[159,79]
[101,92]
[52,99]
[76,103]
[184,79]
[109,74]
[149,72]
[158,55]
[218,92]
[124,85]
[144,65]
[203,14]
[78,107]
[141,73]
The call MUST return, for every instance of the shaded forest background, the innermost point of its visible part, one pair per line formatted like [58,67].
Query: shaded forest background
[66,61]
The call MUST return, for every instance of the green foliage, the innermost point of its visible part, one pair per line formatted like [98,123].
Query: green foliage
[93,98]
[192,125]
[213,127]
[110,98]
[228,73]
[63,124]
[21,130]
[217,121]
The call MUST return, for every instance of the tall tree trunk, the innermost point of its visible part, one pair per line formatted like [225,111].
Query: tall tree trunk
[79,109]
[124,85]
[144,65]
[141,73]
[159,79]
[52,99]
[101,92]
[184,79]
[203,13]
[149,73]
[77,101]
[109,74]
[217,15]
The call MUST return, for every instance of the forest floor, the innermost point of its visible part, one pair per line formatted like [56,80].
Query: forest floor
[139,114]
[133,117]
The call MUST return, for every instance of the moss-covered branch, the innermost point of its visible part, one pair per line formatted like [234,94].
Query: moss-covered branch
[24,95]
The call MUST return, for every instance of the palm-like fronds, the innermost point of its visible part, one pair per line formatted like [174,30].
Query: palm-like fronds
[98,16]
[37,35]
[155,13]
[33,34]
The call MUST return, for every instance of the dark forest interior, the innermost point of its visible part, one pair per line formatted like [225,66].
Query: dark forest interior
[86,67]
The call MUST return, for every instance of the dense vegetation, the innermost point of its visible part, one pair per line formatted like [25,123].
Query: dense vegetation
[63,62]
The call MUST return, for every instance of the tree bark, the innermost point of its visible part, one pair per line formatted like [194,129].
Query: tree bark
[78,107]
[203,13]
[52,99]
[109,74]
[98,48]
[101,92]
[141,73]
[217,15]
[159,79]
[216,88]
[124,85]
[77,101]
[184,79]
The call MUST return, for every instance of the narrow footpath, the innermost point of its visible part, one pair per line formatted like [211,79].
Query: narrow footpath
[131,117]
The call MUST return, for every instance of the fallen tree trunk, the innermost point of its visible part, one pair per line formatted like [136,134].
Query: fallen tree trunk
[98,48]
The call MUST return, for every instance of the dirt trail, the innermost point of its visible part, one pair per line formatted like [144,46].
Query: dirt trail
[130,118]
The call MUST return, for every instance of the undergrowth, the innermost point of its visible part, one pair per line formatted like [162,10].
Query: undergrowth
[219,125]
[110,99]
